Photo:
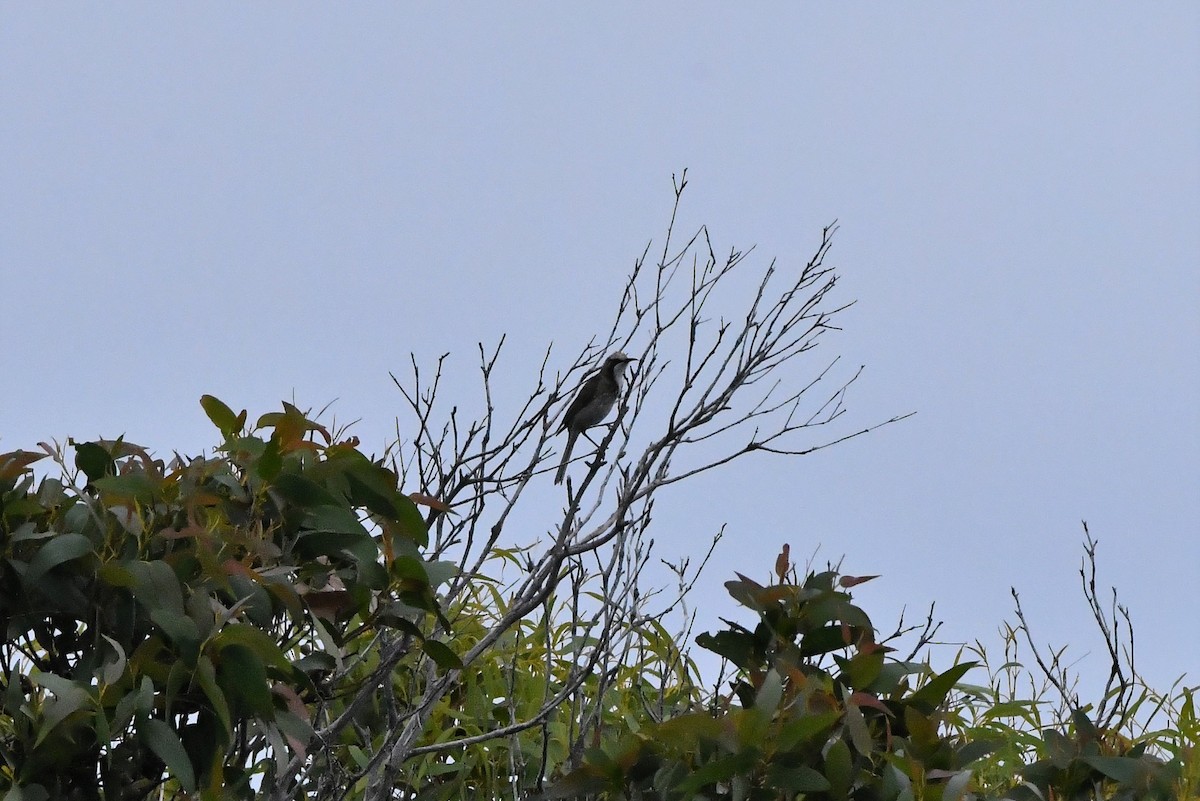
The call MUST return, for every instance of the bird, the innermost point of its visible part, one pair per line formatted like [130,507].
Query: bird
[592,404]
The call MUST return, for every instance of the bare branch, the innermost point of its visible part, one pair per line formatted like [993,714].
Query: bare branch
[715,380]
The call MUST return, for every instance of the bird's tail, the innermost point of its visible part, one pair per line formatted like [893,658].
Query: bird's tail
[566,457]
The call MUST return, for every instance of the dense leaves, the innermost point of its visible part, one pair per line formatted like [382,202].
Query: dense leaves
[819,709]
[179,623]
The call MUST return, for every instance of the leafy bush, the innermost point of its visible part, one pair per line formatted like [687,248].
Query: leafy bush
[824,710]
[821,711]
[180,623]
[262,622]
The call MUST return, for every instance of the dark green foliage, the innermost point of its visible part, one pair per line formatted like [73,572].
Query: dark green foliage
[171,623]
[820,710]
[1083,762]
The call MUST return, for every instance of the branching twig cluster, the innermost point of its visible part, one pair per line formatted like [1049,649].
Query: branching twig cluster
[1116,629]
[707,389]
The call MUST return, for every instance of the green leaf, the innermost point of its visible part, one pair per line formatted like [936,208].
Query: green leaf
[334,519]
[138,486]
[242,676]
[317,660]
[839,769]
[936,690]
[688,728]
[206,674]
[372,486]
[823,640]
[124,712]
[62,548]
[69,698]
[28,531]
[295,727]
[806,728]
[1085,727]
[717,770]
[160,738]
[856,725]
[156,586]
[116,574]
[360,757]
[372,574]
[60,686]
[221,415]
[860,671]
[176,678]
[145,696]
[439,573]
[251,597]
[22,506]
[303,491]
[240,446]
[1121,769]
[978,749]
[270,461]
[441,655]
[94,460]
[338,546]
[796,780]
[256,641]
[411,522]
[410,569]
[736,646]
[922,729]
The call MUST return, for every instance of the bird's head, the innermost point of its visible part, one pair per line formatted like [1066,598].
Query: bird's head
[615,364]
[618,358]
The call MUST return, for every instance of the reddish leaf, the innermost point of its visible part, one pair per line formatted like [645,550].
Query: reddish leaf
[782,561]
[868,646]
[14,463]
[430,501]
[294,703]
[851,581]
[861,698]
[328,603]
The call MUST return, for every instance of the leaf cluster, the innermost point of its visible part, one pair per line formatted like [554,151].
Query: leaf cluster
[187,623]
[818,708]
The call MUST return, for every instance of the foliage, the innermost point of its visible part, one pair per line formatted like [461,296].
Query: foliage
[186,623]
[1132,742]
[821,712]
[825,711]
[516,718]
[258,622]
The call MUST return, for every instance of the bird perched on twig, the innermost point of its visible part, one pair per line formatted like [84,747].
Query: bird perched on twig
[592,404]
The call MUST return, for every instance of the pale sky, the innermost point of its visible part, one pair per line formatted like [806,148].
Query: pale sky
[277,201]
